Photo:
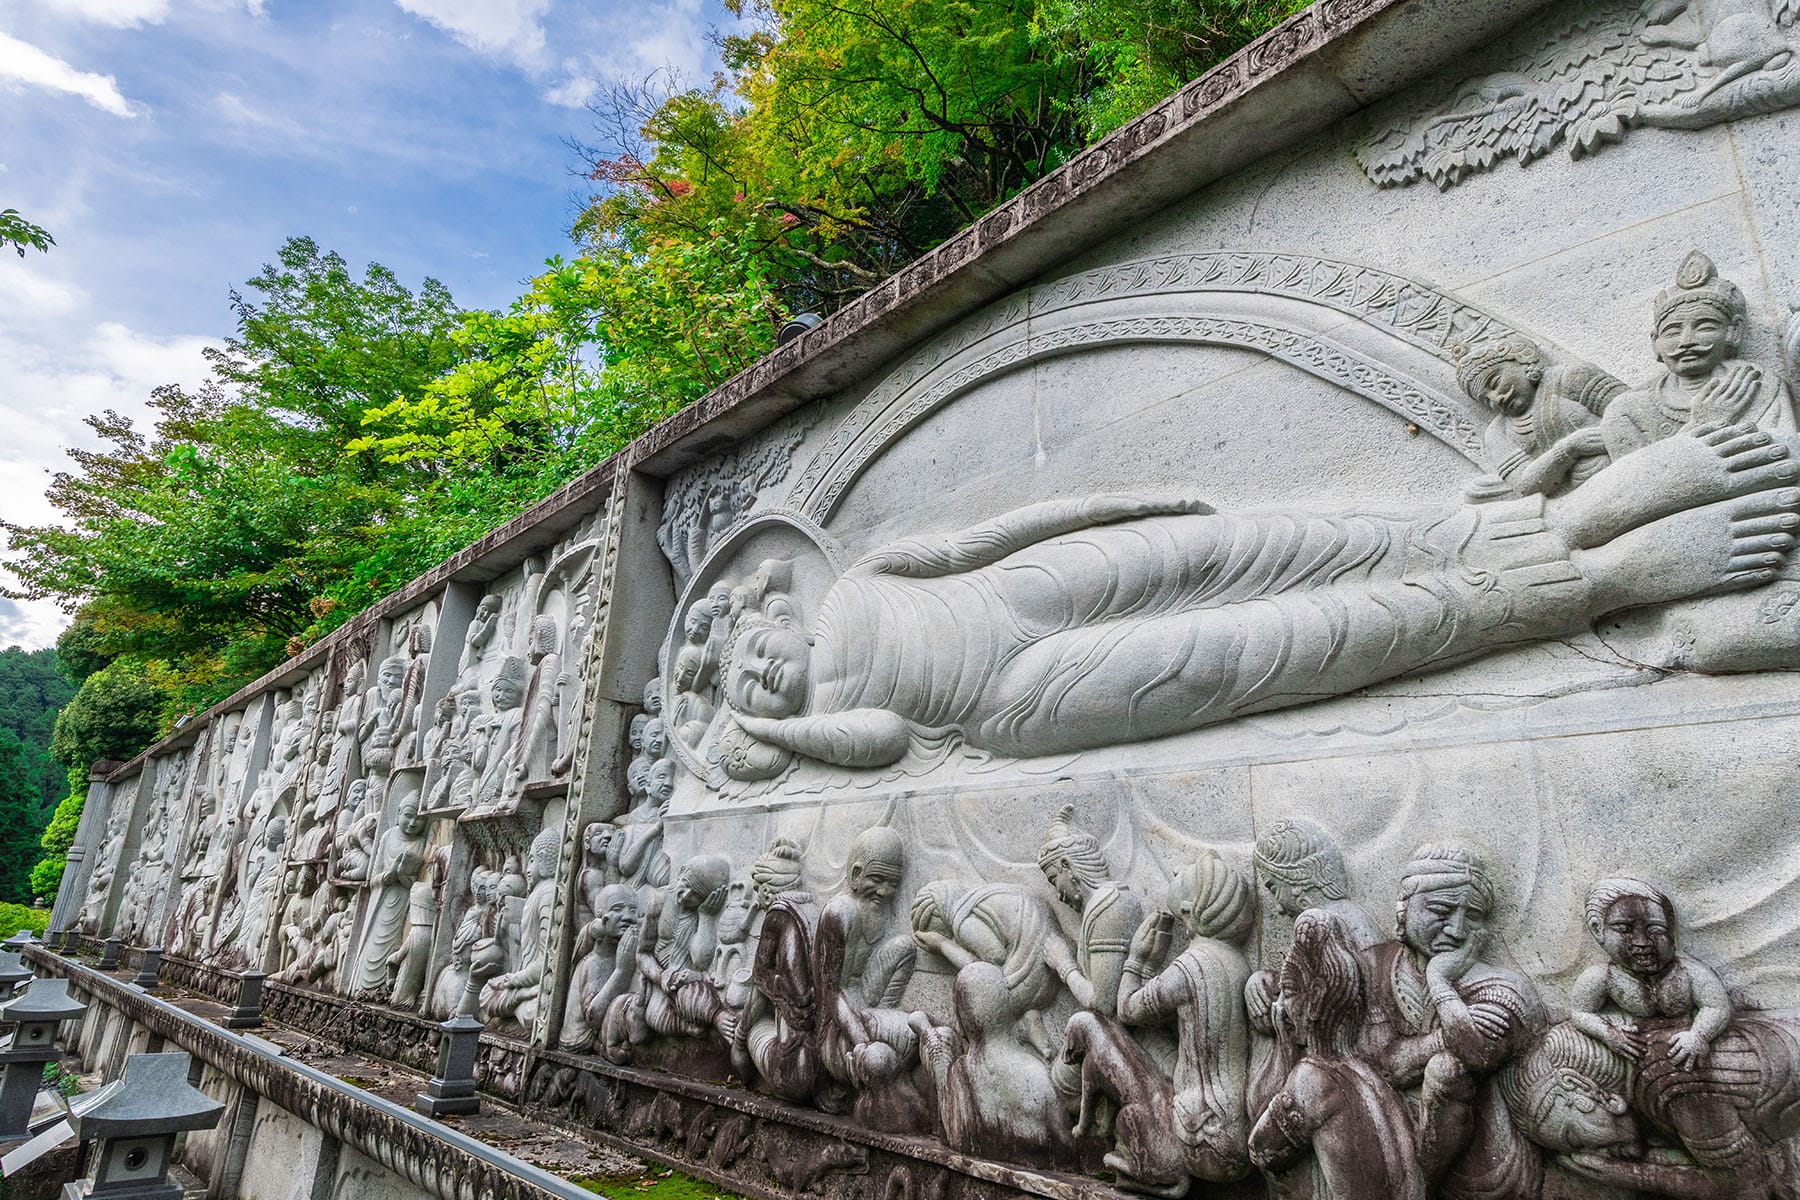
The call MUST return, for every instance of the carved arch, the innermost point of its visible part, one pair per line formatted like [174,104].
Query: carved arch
[1382,336]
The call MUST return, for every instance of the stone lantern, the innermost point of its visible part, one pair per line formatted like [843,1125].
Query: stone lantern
[19,941]
[13,975]
[109,954]
[35,1013]
[135,1122]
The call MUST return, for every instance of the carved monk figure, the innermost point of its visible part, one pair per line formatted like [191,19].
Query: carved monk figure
[497,740]
[354,839]
[1194,1124]
[1116,619]
[601,973]
[680,933]
[865,959]
[1443,1021]
[1545,435]
[1335,1130]
[514,995]
[399,854]
[482,627]
[635,853]
[478,922]
[1697,330]
[1110,911]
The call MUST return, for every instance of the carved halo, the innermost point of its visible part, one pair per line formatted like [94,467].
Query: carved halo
[775,534]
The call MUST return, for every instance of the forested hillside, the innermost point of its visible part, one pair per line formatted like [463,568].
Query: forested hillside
[357,430]
[31,780]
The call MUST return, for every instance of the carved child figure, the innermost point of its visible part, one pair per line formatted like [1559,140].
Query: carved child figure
[1545,436]
[1334,1122]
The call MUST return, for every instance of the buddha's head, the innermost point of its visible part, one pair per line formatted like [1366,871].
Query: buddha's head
[768,671]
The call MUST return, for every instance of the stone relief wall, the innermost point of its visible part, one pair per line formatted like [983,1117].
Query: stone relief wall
[1296,697]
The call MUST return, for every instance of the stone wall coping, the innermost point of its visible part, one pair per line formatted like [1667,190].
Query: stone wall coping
[1319,66]
[432,1156]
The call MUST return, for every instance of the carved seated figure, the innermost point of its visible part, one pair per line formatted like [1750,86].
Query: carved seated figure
[1333,1118]
[1003,924]
[1654,988]
[602,974]
[1545,436]
[865,959]
[1445,1022]
[777,1041]
[680,933]
[478,922]
[514,995]
[1194,1124]
[994,1095]
[1114,619]
[1302,869]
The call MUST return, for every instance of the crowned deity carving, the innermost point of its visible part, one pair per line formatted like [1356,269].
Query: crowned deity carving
[1443,1023]
[1193,1124]
[1072,624]
[1333,1128]
[514,996]
[497,738]
[399,854]
[1697,330]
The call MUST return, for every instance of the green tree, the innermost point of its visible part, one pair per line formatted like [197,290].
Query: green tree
[19,824]
[115,714]
[20,234]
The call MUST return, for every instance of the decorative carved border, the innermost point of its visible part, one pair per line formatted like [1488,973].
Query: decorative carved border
[1415,313]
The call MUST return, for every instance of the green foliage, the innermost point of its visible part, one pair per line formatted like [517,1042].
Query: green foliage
[59,835]
[14,917]
[651,1185]
[19,818]
[31,690]
[20,234]
[356,432]
[115,713]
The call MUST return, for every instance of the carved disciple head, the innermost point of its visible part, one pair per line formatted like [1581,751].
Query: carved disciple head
[393,672]
[1445,901]
[701,884]
[655,739]
[660,784]
[1567,1093]
[1212,899]
[1300,866]
[1634,923]
[509,685]
[412,822]
[545,849]
[775,871]
[1502,373]
[1698,323]
[618,909]
[1323,1000]
[653,698]
[1071,859]
[698,622]
[595,838]
[877,861]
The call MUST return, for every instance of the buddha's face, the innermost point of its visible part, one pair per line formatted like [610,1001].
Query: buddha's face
[769,674]
[1510,387]
[1636,935]
[411,822]
[1693,339]
[1577,1114]
[1445,919]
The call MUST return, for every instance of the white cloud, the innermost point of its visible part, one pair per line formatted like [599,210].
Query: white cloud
[26,64]
[509,29]
[120,14]
[573,92]
[27,291]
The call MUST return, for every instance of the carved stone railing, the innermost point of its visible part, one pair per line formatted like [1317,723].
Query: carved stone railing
[437,1159]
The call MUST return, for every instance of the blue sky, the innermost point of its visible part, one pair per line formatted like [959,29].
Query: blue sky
[171,146]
